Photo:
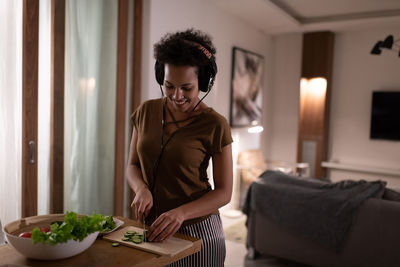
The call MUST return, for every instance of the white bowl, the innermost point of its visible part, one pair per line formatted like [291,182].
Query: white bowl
[41,251]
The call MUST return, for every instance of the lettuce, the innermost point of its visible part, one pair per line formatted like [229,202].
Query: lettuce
[71,228]
[108,224]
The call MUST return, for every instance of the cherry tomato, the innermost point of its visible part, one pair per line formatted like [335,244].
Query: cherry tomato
[26,234]
[44,229]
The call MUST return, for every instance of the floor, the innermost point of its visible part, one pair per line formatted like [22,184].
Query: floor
[236,253]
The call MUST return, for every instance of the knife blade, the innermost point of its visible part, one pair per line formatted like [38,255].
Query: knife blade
[144,230]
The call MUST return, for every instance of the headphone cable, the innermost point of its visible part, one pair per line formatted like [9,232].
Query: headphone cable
[210,84]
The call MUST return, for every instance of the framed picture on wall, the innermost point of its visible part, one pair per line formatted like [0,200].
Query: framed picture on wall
[246,88]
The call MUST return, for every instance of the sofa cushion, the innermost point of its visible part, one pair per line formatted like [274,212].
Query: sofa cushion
[391,194]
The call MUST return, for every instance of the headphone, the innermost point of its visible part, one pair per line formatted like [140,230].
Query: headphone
[206,77]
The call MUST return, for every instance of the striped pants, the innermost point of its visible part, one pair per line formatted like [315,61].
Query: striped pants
[212,253]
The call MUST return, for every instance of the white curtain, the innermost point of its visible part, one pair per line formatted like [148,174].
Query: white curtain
[10,109]
[90,90]
[44,94]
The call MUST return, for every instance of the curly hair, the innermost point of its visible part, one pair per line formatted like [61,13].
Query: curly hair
[174,49]
[180,49]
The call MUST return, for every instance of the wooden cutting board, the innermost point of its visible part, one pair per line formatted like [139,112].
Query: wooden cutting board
[171,246]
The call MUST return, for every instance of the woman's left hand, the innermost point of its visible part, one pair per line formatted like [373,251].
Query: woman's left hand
[166,225]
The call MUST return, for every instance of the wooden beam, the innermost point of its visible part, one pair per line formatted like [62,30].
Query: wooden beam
[57,106]
[119,168]
[137,66]
[30,52]
[137,54]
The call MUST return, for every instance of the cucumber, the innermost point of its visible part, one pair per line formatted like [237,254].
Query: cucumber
[132,236]
[137,240]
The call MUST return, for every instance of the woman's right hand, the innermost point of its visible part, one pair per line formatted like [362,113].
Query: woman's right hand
[142,203]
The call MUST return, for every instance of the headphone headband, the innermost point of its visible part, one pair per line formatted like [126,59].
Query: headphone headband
[201,48]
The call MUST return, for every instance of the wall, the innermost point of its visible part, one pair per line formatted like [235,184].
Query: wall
[285,97]
[356,74]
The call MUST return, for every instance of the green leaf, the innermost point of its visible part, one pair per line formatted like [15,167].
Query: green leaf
[38,236]
[108,224]
[72,228]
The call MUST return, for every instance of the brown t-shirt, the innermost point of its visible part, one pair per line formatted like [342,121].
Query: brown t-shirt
[181,173]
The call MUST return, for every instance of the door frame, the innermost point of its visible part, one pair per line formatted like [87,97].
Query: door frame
[119,157]
[57,106]
[30,101]
[30,65]
[57,103]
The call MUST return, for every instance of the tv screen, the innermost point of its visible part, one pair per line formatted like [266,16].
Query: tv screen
[385,115]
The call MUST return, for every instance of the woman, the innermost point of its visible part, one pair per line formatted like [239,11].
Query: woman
[172,142]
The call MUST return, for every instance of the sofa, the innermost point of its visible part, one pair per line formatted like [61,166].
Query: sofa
[372,238]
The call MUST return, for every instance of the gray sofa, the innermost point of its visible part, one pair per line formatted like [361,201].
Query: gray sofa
[372,240]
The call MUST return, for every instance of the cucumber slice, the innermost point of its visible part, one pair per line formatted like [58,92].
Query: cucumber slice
[115,244]
[137,240]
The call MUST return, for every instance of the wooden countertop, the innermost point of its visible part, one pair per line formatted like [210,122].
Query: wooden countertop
[101,253]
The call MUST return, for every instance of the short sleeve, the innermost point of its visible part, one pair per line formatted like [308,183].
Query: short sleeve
[222,135]
[137,117]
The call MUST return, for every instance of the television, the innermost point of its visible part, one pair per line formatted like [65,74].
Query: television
[385,115]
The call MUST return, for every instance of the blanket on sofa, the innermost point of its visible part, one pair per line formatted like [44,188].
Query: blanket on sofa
[320,211]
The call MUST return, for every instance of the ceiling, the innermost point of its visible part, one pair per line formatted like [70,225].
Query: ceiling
[283,16]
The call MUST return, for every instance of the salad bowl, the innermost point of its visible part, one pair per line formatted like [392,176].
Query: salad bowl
[44,251]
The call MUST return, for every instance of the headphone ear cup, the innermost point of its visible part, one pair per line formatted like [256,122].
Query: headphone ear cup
[159,72]
[208,73]
[204,79]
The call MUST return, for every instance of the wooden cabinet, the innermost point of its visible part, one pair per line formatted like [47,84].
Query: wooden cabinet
[315,88]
